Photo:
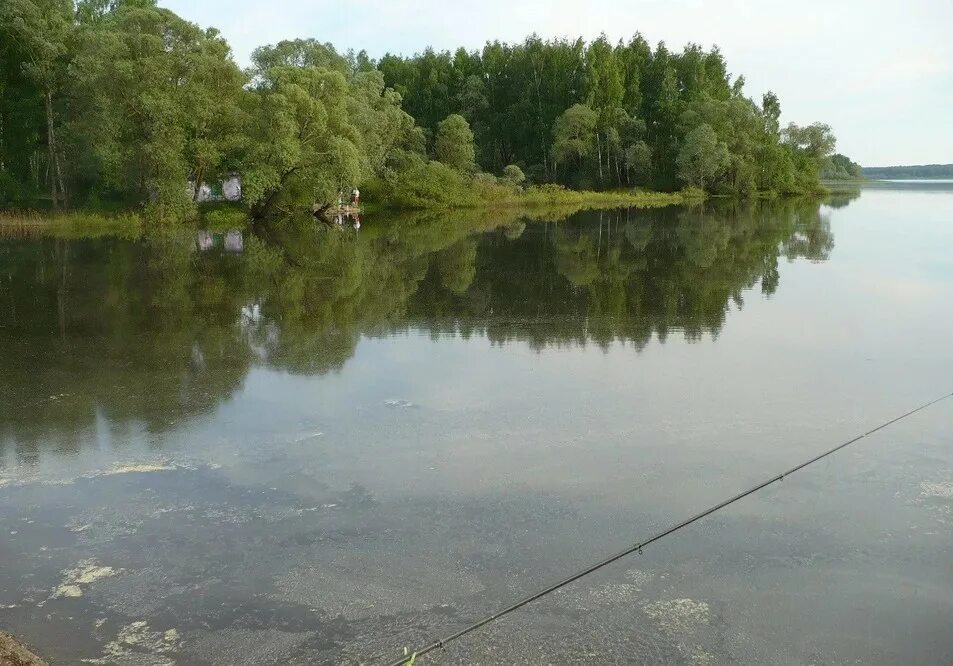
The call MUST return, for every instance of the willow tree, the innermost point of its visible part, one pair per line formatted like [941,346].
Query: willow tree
[574,135]
[304,147]
[318,124]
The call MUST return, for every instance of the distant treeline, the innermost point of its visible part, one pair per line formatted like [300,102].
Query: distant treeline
[121,103]
[916,171]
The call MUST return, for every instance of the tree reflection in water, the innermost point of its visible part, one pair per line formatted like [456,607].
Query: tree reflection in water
[145,333]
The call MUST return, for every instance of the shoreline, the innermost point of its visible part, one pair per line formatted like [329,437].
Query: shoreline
[131,224]
[90,223]
[15,653]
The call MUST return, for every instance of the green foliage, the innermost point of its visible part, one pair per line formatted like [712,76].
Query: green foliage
[34,50]
[702,157]
[154,99]
[316,130]
[123,103]
[840,167]
[575,134]
[434,185]
[513,175]
[304,146]
[638,162]
[454,144]
[424,185]
[604,116]
[815,140]
[223,218]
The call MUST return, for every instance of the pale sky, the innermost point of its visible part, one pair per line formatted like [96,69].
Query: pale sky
[880,73]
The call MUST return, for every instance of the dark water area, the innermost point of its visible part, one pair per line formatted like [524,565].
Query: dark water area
[316,444]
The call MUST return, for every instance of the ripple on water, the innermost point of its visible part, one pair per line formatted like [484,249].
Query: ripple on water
[678,615]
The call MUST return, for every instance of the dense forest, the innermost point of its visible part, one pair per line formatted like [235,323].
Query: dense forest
[121,103]
[917,171]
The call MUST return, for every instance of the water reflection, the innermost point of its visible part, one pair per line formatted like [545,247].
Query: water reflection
[111,335]
[229,241]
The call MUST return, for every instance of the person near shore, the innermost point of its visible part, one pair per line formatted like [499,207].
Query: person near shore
[356,197]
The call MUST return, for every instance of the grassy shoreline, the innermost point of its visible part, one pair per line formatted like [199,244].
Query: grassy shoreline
[82,223]
[552,198]
[71,224]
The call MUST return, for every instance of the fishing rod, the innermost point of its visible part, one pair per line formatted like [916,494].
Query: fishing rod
[637,547]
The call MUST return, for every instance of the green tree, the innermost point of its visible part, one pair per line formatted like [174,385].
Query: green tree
[304,147]
[513,174]
[575,133]
[841,167]
[771,108]
[702,157]
[638,162]
[605,94]
[454,144]
[153,99]
[810,148]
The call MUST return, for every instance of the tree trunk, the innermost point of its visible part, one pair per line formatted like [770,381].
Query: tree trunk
[539,119]
[263,209]
[59,174]
[51,149]
[599,148]
[199,178]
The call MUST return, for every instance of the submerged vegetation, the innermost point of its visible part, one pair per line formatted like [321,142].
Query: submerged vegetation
[123,104]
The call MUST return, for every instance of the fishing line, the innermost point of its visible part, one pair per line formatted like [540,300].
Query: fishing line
[637,547]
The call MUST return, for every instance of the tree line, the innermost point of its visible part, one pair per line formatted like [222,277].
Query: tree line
[600,115]
[912,172]
[120,103]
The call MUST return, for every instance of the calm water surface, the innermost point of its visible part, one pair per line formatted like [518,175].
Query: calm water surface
[314,445]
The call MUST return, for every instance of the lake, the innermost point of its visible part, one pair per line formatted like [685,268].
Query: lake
[322,444]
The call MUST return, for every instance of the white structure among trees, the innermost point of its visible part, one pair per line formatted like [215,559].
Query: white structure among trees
[227,189]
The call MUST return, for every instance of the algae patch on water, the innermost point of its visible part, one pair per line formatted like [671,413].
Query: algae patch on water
[941,490]
[138,644]
[137,469]
[85,573]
